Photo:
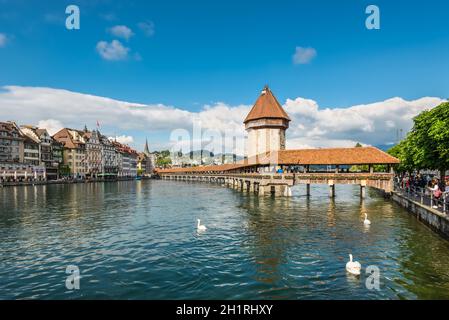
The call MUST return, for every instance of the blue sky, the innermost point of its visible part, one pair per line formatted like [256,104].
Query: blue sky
[204,52]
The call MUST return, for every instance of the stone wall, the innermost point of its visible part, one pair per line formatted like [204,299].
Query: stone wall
[434,219]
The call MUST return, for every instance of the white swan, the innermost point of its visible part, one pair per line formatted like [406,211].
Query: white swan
[353,267]
[366,221]
[199,226]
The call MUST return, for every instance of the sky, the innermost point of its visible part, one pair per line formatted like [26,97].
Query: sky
[144,69]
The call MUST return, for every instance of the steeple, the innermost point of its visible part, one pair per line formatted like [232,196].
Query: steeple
[146,150]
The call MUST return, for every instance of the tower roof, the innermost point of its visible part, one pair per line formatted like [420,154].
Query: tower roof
[267,106]
[146,150]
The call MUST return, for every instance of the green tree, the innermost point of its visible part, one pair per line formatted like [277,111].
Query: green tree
[427,145]
[430,135]
[404,151]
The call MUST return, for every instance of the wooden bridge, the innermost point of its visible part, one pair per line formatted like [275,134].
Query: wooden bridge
[276,172]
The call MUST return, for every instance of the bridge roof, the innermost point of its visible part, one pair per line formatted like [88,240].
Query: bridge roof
[334,156]
[331,156]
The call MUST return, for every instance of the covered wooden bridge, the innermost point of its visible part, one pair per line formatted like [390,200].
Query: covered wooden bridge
[277,171]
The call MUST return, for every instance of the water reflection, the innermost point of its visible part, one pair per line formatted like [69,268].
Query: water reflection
[137,240]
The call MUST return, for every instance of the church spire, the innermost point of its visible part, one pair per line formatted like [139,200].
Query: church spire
[146,150]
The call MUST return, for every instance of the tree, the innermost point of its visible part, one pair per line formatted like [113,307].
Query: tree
[430,135]
[404,151]
[427,145]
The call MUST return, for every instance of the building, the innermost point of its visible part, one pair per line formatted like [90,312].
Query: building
[11,143]
[93,153]
[31,153]
[266,124]
[44,150]
[109,161]
[146,161]
[74,153]
[19,155]
[126,160]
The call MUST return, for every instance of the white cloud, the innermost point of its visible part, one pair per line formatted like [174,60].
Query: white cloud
[147,27]
[123,139]
[112,51]
[3,40]
[303,55]
[121,32]
[374,124]
[52,126]
[311,126]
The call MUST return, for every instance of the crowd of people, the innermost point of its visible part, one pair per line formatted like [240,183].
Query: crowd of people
[430,185]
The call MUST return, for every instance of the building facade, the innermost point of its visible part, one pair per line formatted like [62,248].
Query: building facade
[11,143]
[109,158]
[145,161]
[74,153]
[93,153]
[45,150]
[126,160]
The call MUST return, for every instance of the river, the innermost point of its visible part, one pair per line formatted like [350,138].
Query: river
[138,240]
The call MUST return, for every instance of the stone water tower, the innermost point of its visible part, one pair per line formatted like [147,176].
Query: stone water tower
[266,124]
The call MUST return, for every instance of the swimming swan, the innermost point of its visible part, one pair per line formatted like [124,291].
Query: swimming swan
[200,227]
[353,267]
[366,221]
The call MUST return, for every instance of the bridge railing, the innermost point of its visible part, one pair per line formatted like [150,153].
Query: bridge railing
[425,196]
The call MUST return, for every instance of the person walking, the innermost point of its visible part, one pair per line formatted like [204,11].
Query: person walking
[437,193]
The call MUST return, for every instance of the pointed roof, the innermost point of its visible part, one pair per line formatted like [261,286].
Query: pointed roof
[267,106]
[146,151]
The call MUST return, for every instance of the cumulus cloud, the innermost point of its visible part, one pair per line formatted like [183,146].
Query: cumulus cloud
[303,55]
[112,51]
[123,139]
[121,32]
[52,126]
[147,27]
[311,126]
[3,40]
[374,124]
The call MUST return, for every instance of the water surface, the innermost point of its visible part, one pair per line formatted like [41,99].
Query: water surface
[137,240]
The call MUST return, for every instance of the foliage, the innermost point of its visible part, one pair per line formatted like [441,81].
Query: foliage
[427,145]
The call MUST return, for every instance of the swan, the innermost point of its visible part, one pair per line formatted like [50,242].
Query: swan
[353,267]
[199,226]
[366,221]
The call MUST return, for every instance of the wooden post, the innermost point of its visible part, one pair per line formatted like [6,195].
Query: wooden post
[331,188]
[363,189]
[308,189]
[261,190]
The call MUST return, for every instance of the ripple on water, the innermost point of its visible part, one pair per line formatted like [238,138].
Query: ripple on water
[138,240]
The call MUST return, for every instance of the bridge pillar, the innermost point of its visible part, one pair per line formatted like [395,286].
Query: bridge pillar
[261,191]
[251,186]
[287,191]
[244,186]
[331,188]
[278,191]
[363,189]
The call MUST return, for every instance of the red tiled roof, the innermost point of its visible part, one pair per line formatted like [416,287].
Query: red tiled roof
[331,156]
[267,106]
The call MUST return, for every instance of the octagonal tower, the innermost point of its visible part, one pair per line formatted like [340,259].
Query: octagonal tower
[266,124]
